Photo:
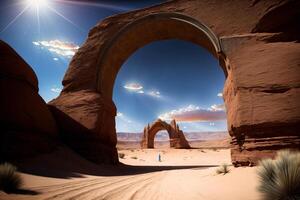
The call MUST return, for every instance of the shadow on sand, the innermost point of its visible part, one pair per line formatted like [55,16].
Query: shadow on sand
[66,163]
[23,192]
[104,170]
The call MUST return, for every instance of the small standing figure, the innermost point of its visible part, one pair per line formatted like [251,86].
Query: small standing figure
[159,157]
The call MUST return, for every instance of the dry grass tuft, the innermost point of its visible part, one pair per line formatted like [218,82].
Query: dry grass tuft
[223,169]
[280,178]
[10,181]
[121,155]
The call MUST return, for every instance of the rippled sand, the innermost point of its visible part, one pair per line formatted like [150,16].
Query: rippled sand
[182,174]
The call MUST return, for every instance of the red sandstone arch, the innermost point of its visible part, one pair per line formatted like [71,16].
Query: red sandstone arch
[261,91]
[177,138]
[144,30]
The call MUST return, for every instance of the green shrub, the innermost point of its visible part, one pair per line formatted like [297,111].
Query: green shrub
[10,181]
[223,169]
[121,155]
[280,178]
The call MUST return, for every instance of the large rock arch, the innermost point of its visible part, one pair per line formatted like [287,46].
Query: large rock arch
[259,59]
[177,138]
[144,30]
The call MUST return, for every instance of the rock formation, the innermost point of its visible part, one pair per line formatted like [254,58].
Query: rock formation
[177,138]
[259,56]
[27,127]
[256,43]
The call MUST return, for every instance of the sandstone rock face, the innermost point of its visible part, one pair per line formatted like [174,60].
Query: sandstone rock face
[257,49]
[177,138]
[73,110]
[27,125]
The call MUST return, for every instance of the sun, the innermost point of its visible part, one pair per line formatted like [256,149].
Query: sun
[39,6]
[37,3]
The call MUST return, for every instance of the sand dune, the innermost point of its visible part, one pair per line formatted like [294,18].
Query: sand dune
[182,174]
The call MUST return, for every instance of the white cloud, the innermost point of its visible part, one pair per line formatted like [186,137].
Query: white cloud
[203,126]
[55,59]
[123,117]
[119,114]
[220,94]
[126,124]
[194,113]
[219,107]
[58,47]
[56,90]
[138,88]
[133,87]
[154,93]
[36,43]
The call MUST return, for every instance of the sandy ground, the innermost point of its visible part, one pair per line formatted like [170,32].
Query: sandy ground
[182,174]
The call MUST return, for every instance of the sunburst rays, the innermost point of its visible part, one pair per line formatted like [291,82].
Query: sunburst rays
[50,5]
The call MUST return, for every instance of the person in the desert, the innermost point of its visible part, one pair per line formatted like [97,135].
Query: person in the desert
[159,157]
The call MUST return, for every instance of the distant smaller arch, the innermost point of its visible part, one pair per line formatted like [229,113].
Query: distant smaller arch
[177,138]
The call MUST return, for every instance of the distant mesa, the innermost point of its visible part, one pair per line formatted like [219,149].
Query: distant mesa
[177,138]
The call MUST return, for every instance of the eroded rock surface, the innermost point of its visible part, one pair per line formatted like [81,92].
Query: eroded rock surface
[78,116]
[258,53]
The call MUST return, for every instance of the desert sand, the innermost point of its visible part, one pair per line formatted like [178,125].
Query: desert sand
[182,174]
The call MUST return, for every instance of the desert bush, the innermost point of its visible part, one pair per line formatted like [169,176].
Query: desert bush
[121,155]
[280,178]
[10,181]
[223,169]
[134,157]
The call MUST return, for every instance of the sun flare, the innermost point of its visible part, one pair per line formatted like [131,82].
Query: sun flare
[37,3]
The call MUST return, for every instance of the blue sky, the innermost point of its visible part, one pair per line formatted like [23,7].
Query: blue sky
[166,79]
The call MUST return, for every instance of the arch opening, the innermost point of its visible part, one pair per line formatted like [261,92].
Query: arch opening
[161,140]
[130,72]
[147,29]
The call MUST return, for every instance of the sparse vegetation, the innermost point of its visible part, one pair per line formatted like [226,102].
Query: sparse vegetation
[223,169]
[134,157]
[280,178]
[10,181]
[121,155]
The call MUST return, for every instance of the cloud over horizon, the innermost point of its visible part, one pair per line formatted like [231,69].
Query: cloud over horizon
[194,113]
[58,47]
